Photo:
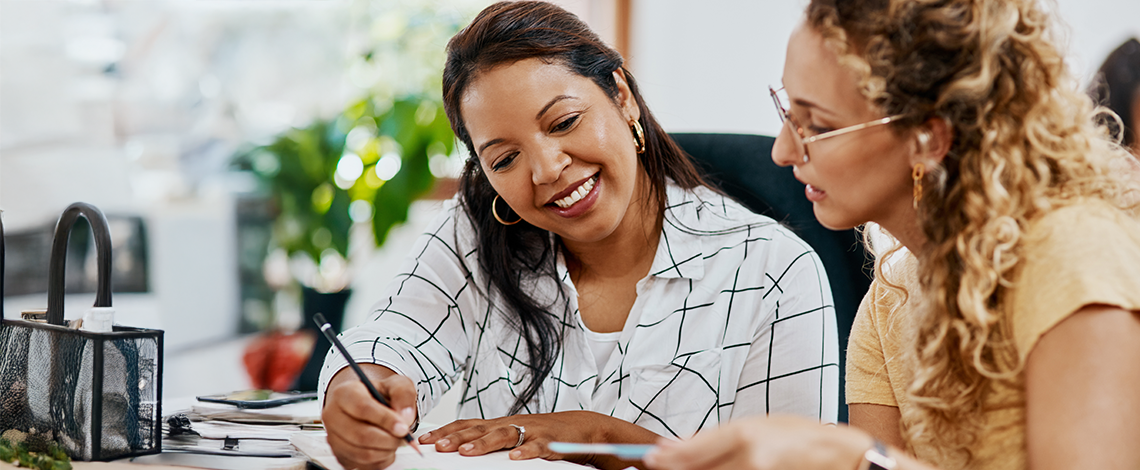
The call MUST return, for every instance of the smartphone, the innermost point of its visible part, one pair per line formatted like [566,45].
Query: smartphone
[258,398]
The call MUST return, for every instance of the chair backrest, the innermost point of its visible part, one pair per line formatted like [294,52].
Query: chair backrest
[741,166]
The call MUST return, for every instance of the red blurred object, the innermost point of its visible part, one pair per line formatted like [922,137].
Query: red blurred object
[275,359]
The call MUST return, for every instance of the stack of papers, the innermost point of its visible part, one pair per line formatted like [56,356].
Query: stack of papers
[306,412]
[226,431]
[229,437]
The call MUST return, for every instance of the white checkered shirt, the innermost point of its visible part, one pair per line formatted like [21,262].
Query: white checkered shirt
[734,319]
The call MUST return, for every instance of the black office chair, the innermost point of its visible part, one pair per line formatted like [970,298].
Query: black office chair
[741,166]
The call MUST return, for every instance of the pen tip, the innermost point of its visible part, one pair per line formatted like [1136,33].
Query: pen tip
[416,447]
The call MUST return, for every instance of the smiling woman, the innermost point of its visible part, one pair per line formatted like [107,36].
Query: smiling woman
[584,284]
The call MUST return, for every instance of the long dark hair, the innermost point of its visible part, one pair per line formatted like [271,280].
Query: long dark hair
[1117,86]
[505,33]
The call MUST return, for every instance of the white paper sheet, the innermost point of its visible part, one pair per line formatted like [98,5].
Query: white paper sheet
[314,445]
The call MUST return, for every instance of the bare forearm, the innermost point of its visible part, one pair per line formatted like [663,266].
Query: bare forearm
[617,431]
[774,442]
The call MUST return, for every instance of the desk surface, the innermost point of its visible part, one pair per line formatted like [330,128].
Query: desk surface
[188,461]
[313,444]
[100,466]
[315,447]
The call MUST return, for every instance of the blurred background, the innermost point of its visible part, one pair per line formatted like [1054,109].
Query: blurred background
[258,156]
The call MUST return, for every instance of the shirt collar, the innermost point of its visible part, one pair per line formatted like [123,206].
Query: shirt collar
[680,253]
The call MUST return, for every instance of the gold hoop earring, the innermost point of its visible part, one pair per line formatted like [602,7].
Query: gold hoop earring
[494,212]
[916,174]
[638,137]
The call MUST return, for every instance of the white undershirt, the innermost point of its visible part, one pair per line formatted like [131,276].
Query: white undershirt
[601,344]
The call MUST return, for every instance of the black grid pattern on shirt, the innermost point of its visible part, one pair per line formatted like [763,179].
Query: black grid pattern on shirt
[436,377]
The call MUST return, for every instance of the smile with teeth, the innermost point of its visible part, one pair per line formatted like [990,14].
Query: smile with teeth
[578,194]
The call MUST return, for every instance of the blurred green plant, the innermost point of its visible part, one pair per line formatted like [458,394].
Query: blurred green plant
[370,162]
[42,456]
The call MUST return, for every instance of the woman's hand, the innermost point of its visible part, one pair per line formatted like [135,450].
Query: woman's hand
[779,442]
[478,437]
[363,433]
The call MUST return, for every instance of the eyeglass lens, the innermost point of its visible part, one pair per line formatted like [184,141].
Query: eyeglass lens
[779,97]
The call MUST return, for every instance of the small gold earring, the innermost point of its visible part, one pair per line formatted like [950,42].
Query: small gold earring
[494,212]
[916,174]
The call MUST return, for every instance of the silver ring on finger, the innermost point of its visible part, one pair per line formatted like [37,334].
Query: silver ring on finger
[522,434]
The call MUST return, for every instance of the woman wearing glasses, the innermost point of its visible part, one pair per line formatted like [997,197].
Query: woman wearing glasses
[584,286]
[1007,334]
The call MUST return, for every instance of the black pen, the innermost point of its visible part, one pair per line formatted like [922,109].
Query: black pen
[326,328]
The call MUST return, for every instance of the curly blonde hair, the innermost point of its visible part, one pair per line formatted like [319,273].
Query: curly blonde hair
[1025,143]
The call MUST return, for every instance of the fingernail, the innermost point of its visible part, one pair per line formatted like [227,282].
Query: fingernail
[515,454]
[443,443]
[408,414]
[400,429]
[466,447]
[425,437]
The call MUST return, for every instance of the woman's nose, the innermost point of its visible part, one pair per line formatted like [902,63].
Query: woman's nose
[547,168]
[788,149]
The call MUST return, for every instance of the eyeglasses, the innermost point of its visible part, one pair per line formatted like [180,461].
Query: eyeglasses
[805,139]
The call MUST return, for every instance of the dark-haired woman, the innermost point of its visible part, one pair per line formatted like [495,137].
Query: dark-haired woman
[585,286]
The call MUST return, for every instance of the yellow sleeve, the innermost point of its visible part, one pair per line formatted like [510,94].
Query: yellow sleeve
[867,377]
[1078,256]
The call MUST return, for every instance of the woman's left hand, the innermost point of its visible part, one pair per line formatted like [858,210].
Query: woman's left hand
[778,442]
[479,436]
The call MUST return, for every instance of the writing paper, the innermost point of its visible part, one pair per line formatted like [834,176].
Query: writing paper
[315,446]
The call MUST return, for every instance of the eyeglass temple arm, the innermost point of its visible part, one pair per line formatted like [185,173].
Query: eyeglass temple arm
[846,130]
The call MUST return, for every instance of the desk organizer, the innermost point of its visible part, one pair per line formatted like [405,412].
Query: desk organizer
[98,395]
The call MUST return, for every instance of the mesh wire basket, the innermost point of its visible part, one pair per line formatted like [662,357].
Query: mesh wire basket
[96,394]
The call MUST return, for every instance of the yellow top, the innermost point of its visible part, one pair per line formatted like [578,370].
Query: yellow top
[1076,256]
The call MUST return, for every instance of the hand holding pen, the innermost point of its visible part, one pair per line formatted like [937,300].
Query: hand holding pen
[359,451]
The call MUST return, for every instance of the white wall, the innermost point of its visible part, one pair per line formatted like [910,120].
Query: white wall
[705,66]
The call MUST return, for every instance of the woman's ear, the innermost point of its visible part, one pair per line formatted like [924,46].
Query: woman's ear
[625,99]
[934,140]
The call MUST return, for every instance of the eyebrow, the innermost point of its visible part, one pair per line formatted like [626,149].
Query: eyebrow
[814,107]
[551,103]
[805,103]
[488,144]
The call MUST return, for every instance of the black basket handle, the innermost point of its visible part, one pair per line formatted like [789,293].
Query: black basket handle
[1,264]
[58,258]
